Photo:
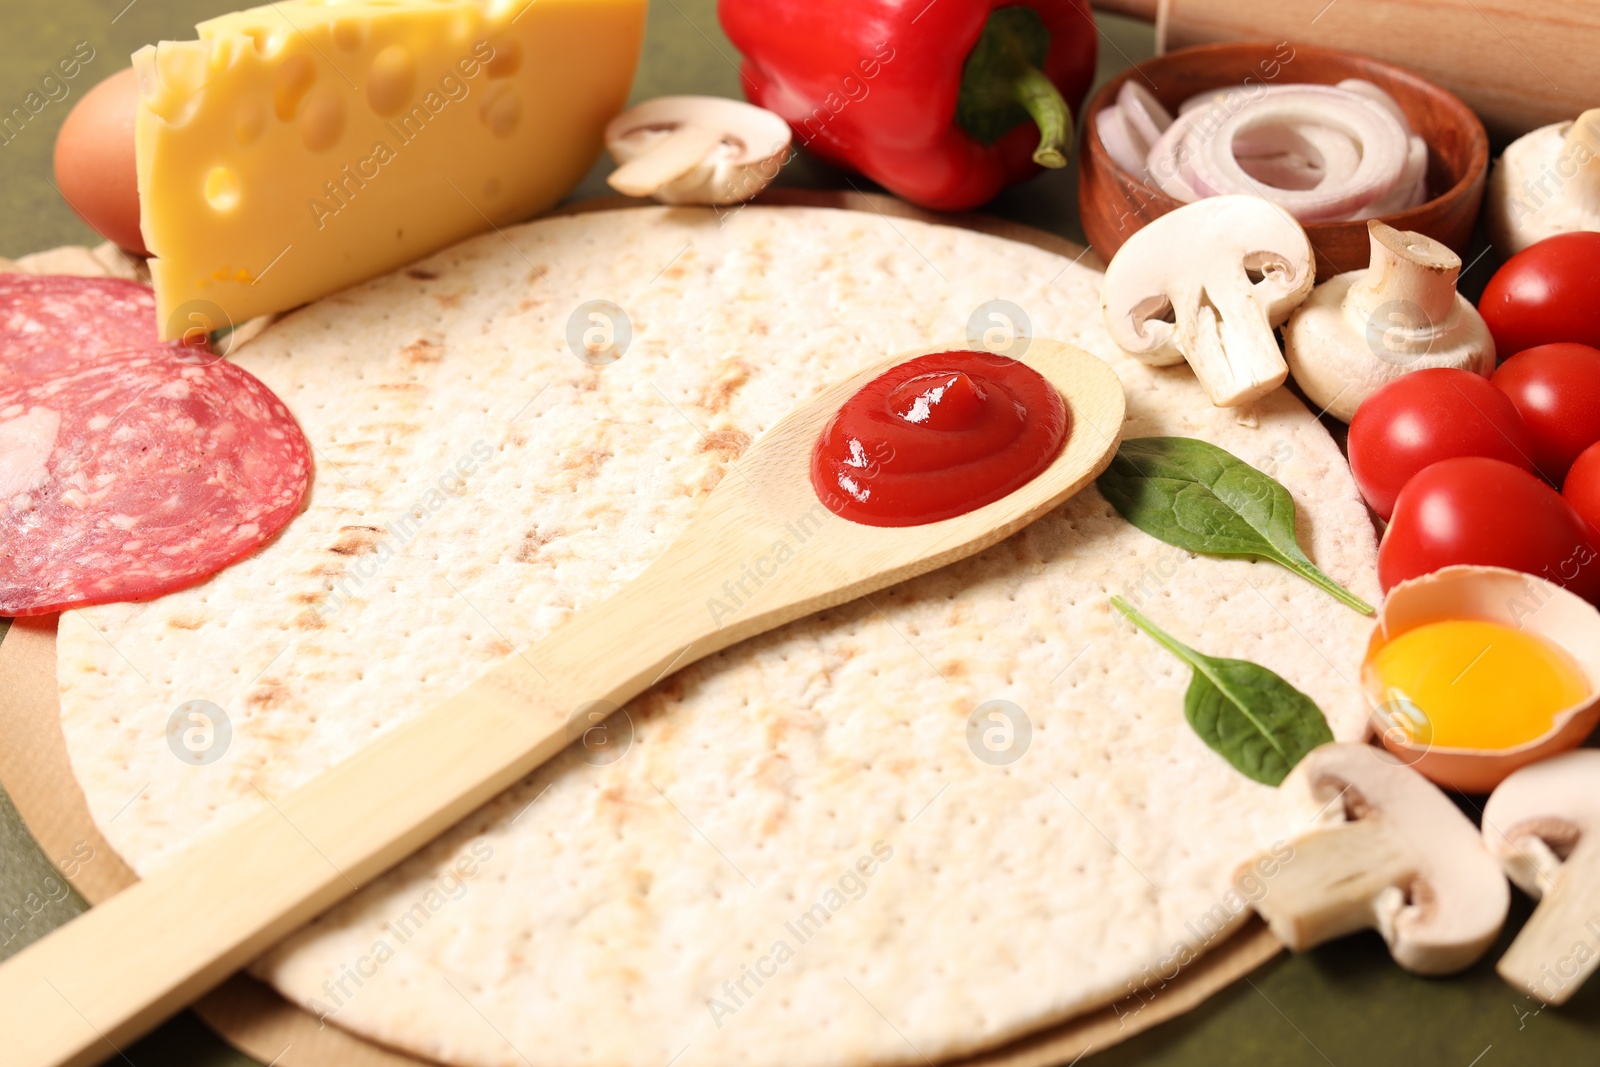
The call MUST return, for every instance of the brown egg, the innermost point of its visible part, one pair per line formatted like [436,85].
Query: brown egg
[94,161]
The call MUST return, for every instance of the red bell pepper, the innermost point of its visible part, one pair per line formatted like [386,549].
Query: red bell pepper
[942,102]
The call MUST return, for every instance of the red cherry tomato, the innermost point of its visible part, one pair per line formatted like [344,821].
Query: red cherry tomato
[1426,416]
[1485,512]
[1545,293]
[1582,488]
[1556,388]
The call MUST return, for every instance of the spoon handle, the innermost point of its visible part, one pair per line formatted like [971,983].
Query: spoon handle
[760,551]
[77,995]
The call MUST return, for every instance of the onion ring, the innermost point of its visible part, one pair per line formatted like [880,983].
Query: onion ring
[1384,148]
[1119,141]
[1147,120]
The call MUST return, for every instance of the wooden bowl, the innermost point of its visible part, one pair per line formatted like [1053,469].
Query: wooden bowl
[1113,204]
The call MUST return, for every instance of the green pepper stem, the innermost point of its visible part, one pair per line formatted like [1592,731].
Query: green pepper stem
[1044,104]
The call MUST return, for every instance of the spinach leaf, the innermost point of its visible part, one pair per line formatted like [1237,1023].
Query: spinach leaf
[1249,716]
[1202,498]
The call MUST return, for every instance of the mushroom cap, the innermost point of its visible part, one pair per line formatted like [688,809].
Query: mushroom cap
[1360,330]
[1551,804]
[1453,908]
[1339,359]
[1209,246]
[753,145]
[1521,207]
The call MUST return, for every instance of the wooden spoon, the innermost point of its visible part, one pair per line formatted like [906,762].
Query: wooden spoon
[77,995]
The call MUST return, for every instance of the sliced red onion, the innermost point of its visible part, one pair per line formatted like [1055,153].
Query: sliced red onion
[1410,190]
[1228,98]
[1322,152]
[1168,162]
[1382,140]
[1112,126]
[1147,120]
[1368,91]
[1296,157]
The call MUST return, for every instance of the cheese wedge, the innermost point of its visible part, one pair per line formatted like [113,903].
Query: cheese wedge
[298,148]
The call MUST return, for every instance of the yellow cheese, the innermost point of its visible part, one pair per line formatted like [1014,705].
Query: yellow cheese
[301,147]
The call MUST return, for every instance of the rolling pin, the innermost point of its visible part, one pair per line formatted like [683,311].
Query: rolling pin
[1519,64]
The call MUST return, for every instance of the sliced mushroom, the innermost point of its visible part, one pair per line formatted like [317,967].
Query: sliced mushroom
[1207,283]
[1546,182]
[1543,823]
[1363,329]
[696,150]
[1397,857]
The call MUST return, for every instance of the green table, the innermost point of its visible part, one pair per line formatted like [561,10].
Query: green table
[1345,1004]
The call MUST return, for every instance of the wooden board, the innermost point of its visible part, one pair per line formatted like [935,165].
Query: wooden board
[252,1017]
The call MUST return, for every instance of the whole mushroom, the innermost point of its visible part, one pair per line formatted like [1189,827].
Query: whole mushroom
[1543,824]
[1207,283]
[696,149]
[1362,329]
[1398,857]
[1544,183]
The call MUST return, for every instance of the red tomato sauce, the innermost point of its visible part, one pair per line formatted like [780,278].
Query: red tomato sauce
[936,437]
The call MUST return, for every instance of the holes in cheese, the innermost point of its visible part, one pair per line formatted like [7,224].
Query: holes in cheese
[267,42]
[222,189]
[392,81]
[290,83]
[322,119]
[295,150]
[507,58]
[501,110]
[349,35]
[170,79]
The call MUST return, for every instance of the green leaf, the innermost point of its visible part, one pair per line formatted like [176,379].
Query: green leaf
[1248,715]
[1203,498]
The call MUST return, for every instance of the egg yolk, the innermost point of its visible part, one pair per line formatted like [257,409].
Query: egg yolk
[1470,684]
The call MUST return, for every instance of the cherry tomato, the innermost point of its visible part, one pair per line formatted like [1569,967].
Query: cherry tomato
[1485,512]
[1556,388]
[1423,417]
[1545,293]
[1582,488]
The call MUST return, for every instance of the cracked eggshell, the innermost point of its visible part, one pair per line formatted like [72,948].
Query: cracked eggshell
[1510,598]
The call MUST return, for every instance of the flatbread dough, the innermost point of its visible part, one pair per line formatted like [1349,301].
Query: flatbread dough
[798,859]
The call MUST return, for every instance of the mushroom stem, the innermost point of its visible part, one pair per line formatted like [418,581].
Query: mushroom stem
[1580,158]
[682,150]
[1411,276]
[1341,879]
[1405,862]
[1231,346]
[1559,948]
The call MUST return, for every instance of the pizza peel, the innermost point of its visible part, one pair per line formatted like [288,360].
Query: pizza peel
[117,971]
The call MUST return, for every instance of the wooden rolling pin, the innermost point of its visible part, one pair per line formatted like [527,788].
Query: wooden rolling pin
[1519,64]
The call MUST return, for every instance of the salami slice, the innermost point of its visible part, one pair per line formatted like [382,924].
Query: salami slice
[137,475]
[51,324]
